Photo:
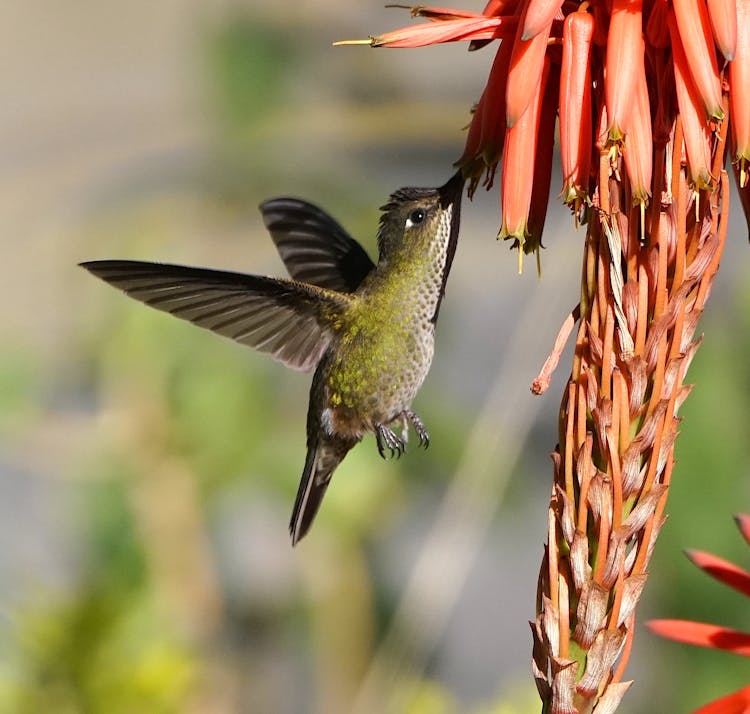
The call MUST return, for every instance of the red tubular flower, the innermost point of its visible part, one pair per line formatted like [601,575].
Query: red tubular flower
[499,7]
[495,8]
[525,71]
[539,15]
[703,635]
[723,17]
[694,126]
[624,60]
[575,107]
[484,143]
[437,32]
[542,170]
[638,150]
[714,636]
[518,168]
[494,110]
[698,43]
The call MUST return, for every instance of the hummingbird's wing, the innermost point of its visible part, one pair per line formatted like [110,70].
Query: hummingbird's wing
[313,246]
[280,317]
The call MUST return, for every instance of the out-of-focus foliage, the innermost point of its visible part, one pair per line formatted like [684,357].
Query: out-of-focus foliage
[103,650]
[105,646]
[248,62]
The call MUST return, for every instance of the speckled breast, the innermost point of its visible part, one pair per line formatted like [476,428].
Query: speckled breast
[377,369]
[385,347]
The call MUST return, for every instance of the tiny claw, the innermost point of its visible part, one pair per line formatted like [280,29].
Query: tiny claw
[387,438]
[419,428]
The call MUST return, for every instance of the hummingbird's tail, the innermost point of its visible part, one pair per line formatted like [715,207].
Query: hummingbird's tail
[323,456]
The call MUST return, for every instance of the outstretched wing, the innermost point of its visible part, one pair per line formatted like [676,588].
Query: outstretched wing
[282,318]
[313,246]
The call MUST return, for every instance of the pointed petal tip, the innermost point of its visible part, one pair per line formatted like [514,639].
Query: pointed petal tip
[743,523]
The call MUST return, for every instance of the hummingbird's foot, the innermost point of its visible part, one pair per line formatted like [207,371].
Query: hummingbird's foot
[419,427]
[387,439]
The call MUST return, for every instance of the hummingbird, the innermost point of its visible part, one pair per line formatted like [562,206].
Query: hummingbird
[367,329]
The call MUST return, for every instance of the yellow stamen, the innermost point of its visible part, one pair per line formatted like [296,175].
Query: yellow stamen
[643,222]
[368,41]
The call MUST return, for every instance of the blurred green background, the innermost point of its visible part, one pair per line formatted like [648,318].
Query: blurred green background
[148,469]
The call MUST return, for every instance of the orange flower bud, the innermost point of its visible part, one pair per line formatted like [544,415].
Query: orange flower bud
[545,146]
[525,71]
[575,106]
[625,49]
[518,166]
[739,82]
[638,151]
[723,17]
[694,125]
[698,43]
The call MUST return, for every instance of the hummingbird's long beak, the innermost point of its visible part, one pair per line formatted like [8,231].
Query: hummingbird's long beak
[450,193]
[450,199]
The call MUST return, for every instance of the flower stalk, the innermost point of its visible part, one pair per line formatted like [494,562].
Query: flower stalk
[646,109]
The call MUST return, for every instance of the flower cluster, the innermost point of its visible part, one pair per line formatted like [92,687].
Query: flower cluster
[615,73]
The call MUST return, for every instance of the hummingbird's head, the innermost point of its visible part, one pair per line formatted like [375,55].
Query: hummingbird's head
[417,221]
[418,235]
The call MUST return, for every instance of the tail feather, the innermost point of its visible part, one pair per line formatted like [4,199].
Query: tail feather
[322,459]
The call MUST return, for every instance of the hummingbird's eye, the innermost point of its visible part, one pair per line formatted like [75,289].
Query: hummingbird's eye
[415,217]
